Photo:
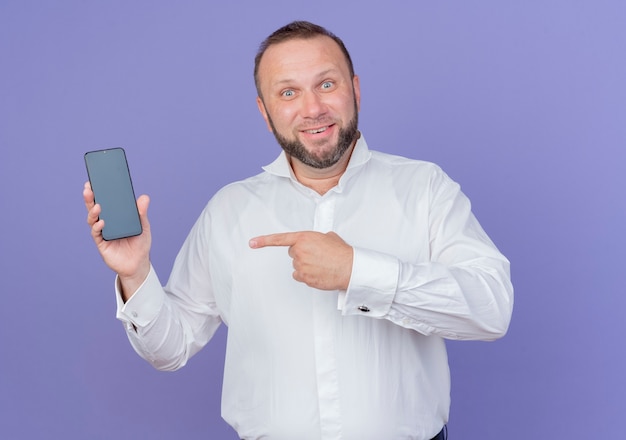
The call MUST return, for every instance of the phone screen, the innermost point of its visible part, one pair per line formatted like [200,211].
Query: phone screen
[113,190]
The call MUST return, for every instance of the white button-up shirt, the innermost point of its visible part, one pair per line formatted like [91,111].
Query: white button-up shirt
[366,363]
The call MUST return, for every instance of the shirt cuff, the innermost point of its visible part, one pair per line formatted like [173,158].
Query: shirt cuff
[144,305]
[373,284]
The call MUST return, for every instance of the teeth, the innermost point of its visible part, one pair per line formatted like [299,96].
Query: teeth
[319,130]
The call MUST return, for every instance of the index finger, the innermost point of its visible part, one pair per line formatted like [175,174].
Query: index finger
[280,239]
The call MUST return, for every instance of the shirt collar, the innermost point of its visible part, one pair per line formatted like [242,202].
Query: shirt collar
[360,155]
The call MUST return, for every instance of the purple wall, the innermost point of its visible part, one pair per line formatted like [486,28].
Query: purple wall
[523,103]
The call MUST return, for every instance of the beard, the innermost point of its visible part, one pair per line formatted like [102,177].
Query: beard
[296,149]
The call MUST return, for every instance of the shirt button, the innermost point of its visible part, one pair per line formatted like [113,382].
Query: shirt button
[363,309]
[134,314]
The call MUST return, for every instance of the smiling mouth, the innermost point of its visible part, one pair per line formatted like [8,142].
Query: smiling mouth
[317,130]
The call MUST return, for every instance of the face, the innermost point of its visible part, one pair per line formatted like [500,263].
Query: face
[309,100]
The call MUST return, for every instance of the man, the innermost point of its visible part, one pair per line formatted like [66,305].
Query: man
[338,270]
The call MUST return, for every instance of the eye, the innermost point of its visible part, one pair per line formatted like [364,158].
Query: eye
[327,85]
[288,93]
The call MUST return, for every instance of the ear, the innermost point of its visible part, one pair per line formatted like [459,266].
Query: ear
[356,84]
[263,110]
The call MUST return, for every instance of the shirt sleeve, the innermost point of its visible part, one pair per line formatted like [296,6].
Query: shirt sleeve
[144,305]
[463,292]
[167,325]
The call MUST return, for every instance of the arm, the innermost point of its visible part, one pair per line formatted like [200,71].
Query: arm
[468,300]
[463,292]
[165,326]
[168,325]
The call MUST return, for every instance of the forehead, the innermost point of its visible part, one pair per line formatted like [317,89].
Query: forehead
[297,58]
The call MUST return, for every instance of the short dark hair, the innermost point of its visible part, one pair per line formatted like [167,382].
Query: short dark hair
[292,31]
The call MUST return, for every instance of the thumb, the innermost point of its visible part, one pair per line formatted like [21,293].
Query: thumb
[143,202]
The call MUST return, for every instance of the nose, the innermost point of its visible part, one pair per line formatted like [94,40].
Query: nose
[312,105]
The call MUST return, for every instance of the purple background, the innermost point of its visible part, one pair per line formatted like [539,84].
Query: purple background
[523,103]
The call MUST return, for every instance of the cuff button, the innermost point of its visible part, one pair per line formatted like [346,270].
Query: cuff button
[363,309]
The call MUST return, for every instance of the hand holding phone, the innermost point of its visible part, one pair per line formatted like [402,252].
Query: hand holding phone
[129,257]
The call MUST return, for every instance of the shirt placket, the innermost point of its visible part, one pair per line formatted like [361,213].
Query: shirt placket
[325,358]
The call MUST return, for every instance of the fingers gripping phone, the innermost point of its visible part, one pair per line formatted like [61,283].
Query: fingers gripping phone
[113,191]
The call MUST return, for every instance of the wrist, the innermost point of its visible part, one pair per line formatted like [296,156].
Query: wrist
[130,283]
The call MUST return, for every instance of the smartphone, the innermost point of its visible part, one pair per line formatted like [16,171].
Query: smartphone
[113,190]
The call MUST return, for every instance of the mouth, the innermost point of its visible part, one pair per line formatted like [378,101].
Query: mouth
[317,130]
